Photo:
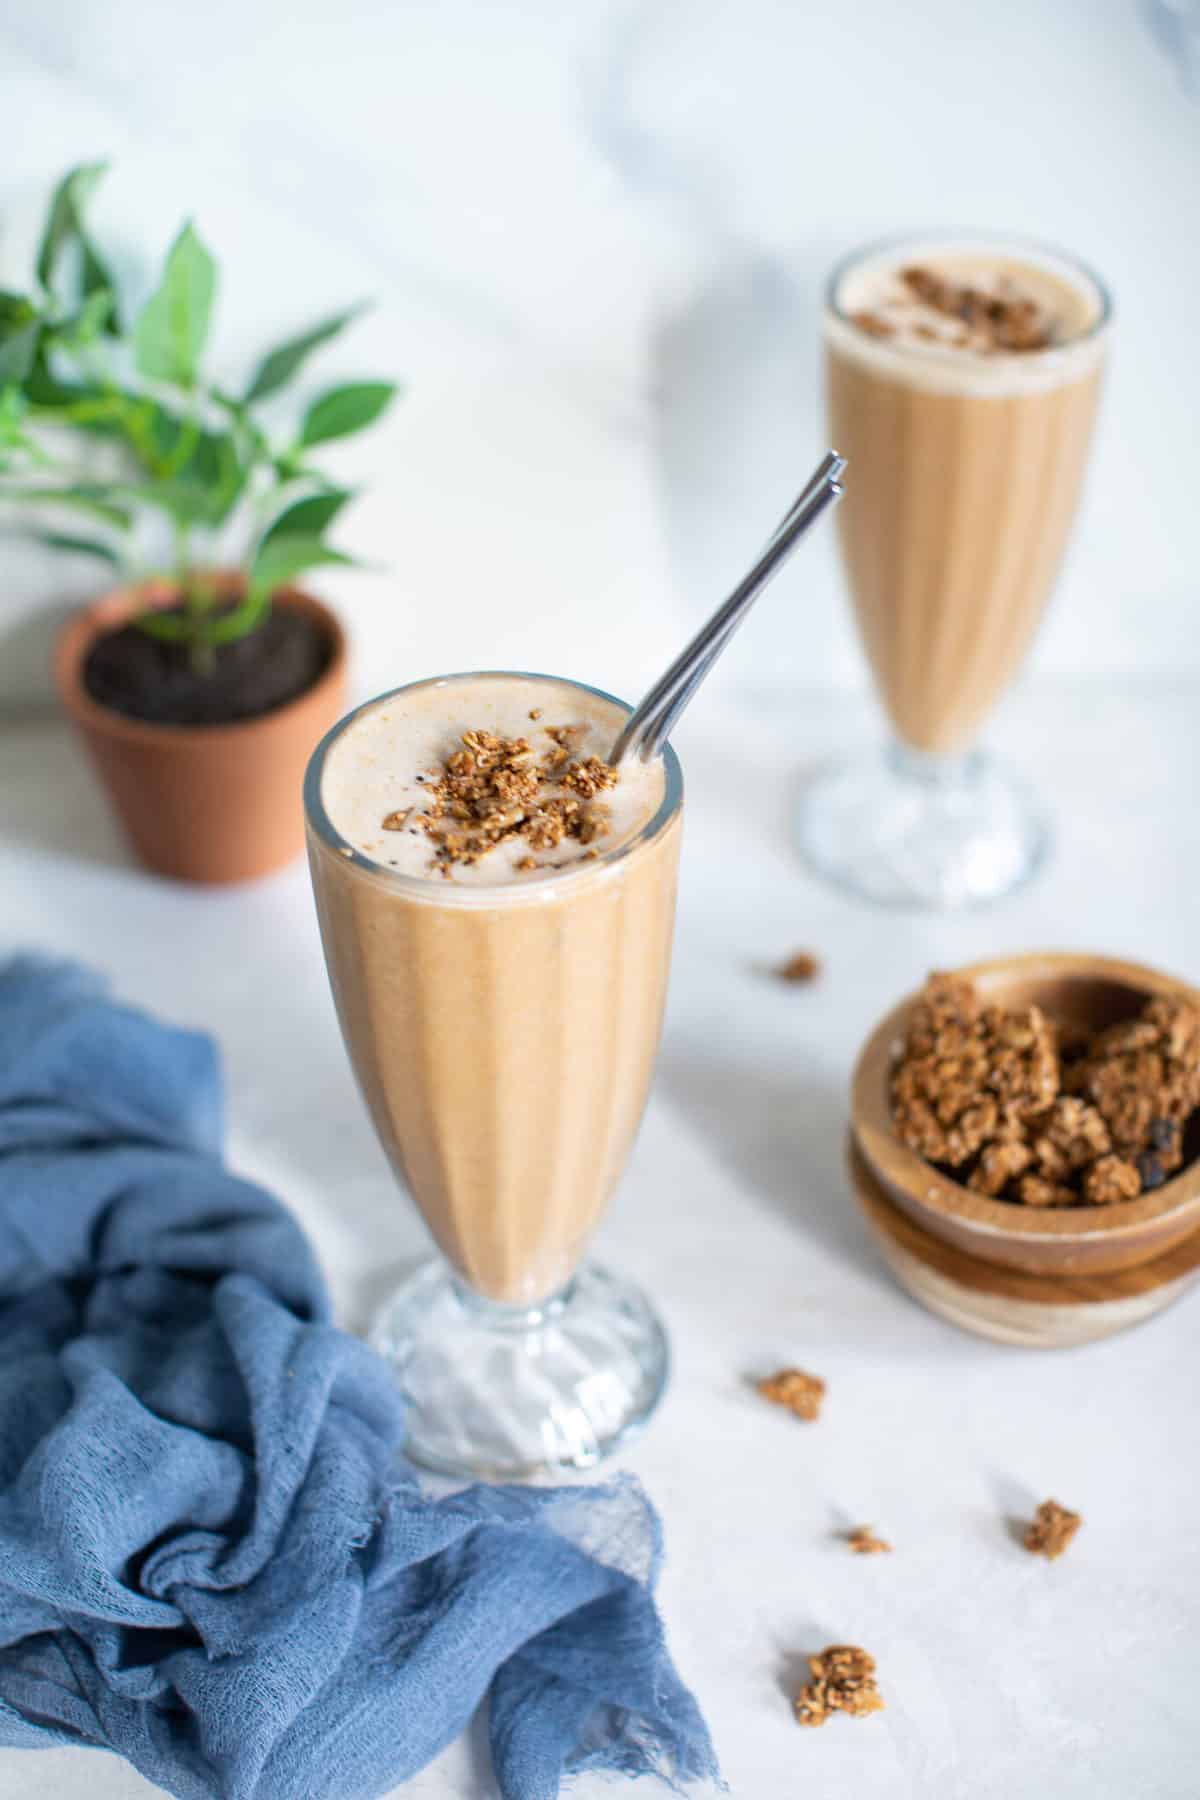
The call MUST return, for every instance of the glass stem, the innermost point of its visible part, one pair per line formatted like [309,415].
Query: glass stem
[932,768]
[498,1315]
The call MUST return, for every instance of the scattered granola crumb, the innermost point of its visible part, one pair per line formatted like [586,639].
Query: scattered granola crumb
[863,1542]
[1051,1529]
[843,1680]
[526,863]
[535,712]
[803,966]
[396,821]
[800,1393]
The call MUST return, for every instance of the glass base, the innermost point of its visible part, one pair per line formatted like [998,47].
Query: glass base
[506,1393]
[904,829]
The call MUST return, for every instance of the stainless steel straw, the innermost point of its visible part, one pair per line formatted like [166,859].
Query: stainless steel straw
[651,724]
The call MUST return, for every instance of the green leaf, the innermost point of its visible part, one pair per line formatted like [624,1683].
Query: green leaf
[195,476]
[309,517]
[17,449]
[17,352]
[15,309]
[96,278]
[14,444]
[13,410]
[77,546]
[85,326]
[45,391]
[64,224]
[280,562]
[214,476]
[86,497]
[172,328]
[279,365]
[289,468]
[342,410]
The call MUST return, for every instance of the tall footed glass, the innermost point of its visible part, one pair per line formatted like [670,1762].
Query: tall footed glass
[503,1031]
[962,379]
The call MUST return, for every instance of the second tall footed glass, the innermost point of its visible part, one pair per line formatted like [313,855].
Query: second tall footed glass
[962,377]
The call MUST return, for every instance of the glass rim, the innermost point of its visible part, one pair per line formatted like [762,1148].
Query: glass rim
[480,893]
[992,240]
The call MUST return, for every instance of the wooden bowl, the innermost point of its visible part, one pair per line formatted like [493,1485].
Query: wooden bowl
[1084,990]
[1045,1312]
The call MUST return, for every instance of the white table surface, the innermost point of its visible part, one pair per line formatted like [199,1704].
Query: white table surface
[1004,1675]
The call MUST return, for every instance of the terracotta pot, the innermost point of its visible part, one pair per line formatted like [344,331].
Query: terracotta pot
[210,803]
[1083,989]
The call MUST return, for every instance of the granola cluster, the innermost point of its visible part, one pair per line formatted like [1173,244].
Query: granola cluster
[801,967]
[863,1541]
[1143,1078]
[1010,1103]
[983,321]
[791,1388]
[843,1680]
[493,789]
[1051,1529]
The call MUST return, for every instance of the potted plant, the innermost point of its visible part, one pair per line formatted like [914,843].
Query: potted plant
[202,681]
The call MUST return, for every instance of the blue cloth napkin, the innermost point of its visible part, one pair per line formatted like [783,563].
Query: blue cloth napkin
[213,1558]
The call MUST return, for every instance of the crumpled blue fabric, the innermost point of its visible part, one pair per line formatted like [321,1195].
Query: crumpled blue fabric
[213,1557]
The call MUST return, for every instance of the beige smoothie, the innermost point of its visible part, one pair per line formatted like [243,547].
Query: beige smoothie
[497,904]
[962,387]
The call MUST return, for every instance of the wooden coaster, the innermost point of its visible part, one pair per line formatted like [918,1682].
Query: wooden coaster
[1044,1311]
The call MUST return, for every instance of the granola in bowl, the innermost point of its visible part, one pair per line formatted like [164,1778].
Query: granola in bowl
[1019,1107]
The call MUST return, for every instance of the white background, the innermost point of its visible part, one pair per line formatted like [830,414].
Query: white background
[596,236]
[595,233]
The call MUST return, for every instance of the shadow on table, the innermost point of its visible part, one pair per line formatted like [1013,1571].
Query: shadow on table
[1016,1503]
[782,1134]
[481,1778]
[791,1667]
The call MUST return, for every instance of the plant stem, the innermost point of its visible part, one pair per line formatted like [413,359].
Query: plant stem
[196,603]
[202,656]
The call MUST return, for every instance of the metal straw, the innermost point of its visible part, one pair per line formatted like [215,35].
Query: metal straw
[651,724]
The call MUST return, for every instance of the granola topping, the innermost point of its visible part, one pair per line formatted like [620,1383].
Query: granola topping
[987,319]
[493,789]
[965,315]
[1023,1110]
[1051,1529]
[454,783]
[843,1680]
[791,1388]
[874,324]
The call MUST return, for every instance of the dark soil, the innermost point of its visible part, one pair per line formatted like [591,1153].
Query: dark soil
[144,678]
